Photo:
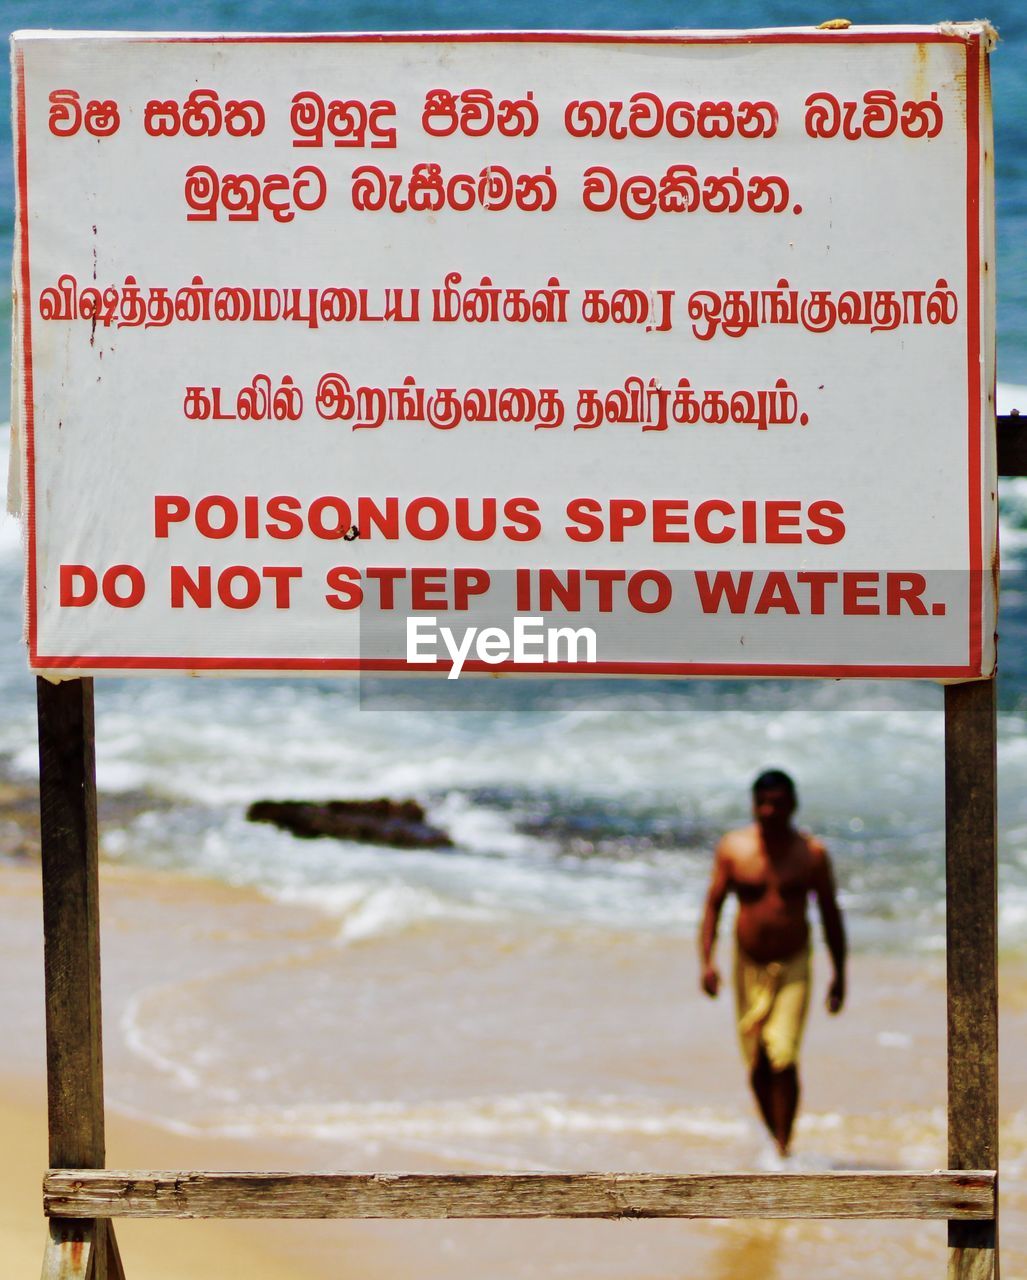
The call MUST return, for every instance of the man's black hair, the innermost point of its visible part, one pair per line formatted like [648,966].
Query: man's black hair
[774,780]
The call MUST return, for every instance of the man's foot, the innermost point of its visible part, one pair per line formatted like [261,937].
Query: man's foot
[770,1160]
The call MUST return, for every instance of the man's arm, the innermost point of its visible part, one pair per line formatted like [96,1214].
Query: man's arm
[718,891]
[834,927]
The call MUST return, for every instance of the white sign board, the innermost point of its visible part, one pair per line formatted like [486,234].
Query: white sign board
[683,337]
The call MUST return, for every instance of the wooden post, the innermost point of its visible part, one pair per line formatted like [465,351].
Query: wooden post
[972,944]
[71,940]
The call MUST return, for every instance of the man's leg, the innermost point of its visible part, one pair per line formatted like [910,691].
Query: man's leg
[760,1079]
[784,1103]
[782,1033]
[777,1095]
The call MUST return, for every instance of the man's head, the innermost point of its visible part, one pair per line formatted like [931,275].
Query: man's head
[774,800]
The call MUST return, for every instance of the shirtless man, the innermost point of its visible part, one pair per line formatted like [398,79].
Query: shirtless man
[773,868]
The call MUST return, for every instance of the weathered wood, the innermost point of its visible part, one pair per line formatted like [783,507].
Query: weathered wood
[1012,444]
[973,1252]
[972,955]
[71,1251]
[71,924]
[184,1194]
[115,1267]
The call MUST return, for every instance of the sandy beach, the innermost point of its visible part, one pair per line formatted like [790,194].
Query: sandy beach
[457,1049]
[151,1250]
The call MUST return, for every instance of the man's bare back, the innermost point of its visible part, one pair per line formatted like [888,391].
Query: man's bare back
[772,868]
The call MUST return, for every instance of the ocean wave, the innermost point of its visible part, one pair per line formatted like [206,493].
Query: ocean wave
[528,1115]
[186,1076]
[228,744]
[369,910]
[595,816]
[553,1131]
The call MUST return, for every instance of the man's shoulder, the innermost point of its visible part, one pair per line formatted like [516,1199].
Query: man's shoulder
[815,848]
[739,840]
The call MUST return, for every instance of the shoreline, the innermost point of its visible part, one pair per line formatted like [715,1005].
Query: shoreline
[875,1086]
[151,1250]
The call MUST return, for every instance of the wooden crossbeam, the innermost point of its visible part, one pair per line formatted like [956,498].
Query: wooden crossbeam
[107,1193]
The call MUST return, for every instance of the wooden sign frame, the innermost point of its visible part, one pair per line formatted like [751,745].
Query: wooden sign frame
[81,1198]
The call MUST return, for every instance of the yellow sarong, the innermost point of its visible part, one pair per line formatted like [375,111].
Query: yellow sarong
[772,1003]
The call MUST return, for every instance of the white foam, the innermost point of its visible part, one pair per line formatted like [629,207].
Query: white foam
[480,829]
[1012,913]
[186,1076]
[306,742]
[481,1119]
[133,1029]
[894,1039]
[301,739]
[1010,396]
[378,910]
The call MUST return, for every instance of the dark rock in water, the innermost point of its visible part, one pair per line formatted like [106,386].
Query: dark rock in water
[399,823]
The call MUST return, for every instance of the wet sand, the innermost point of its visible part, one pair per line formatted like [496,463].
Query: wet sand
[158,1250]
[242,1033]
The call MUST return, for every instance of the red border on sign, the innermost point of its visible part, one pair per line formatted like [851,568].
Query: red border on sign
[973,343]
[313,666]
[28,402]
